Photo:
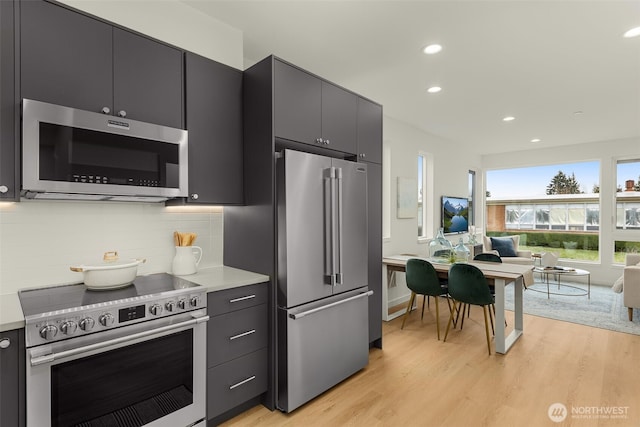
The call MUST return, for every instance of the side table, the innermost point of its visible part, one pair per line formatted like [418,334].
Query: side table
[558,272]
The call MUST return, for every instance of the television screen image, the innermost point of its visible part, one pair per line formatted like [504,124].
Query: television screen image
[455,214]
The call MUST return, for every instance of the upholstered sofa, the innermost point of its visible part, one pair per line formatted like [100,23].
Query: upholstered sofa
[631,287]
[507,251]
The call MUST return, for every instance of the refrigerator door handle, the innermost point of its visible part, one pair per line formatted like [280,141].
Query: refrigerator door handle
[329,276]
[333,304]
[339,184]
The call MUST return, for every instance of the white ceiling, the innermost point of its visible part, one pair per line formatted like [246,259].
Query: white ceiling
[539,61]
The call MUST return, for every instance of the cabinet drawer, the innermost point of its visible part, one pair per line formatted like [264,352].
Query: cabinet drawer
[235,382]
[237,333]
[236,299]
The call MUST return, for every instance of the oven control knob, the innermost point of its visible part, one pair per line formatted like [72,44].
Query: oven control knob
[195,301]
[69,327]
[170,306]
[182,304]
[48,332]
[106,319]
[87,324]
[155,309]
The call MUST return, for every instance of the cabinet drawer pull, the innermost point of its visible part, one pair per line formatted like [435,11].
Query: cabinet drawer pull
[5,343]
[251,378]
[244,334]
[242,298]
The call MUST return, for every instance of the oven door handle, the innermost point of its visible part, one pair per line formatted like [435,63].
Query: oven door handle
[49,358]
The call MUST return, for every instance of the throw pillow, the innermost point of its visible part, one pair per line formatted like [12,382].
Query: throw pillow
[617,285]
[504,246]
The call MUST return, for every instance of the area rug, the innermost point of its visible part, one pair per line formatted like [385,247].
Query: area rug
[603,310]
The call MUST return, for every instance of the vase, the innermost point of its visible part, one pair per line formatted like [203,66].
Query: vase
[440,248]
[186,261]
[461,252]
[472,235]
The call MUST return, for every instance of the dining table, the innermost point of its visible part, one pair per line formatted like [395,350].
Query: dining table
[499,274]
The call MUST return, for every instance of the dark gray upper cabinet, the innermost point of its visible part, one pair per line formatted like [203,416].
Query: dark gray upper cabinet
[12,372]
[297,104]
[71,59]
[369,131]
[214,122]
[9,149]
[147,79]
[339,109]
[310,110]
[66,57]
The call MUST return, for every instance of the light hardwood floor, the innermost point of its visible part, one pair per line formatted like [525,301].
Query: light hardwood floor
[416,380]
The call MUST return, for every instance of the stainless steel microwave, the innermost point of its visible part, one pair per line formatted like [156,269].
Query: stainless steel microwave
[76,154]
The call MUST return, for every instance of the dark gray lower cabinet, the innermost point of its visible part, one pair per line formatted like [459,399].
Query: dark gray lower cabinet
[235,382]
[12,377]
[237,350]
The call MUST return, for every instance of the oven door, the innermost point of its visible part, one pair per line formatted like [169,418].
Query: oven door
[149,374]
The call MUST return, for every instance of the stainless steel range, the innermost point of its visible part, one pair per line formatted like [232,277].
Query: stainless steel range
[133,356]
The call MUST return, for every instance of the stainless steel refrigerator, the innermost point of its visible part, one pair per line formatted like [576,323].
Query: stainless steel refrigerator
[322,274]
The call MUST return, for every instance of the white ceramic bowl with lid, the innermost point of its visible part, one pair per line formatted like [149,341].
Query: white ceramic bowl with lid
[110,274]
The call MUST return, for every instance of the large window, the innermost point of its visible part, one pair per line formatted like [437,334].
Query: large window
[628,195]
[553,208]
[627,208]
[422,181]
[472,194]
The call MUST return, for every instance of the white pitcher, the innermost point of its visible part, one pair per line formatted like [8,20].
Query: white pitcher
[186,260]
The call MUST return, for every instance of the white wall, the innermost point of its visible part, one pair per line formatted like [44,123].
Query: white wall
[607,153]
[172,22]
[450,177]
[40,240]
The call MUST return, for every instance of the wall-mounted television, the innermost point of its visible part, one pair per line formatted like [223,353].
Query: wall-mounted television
[455,215]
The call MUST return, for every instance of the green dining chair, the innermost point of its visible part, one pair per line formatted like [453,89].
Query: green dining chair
[487,256]
[467,285]
[422,279]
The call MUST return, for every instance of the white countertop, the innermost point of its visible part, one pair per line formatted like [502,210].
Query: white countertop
[220,278]
[213,278]
[11,316]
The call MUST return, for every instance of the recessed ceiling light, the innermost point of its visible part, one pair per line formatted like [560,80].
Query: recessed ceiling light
[577,113]
[536,140]
[434,89]
[432,48]
[634,32]
[508,119]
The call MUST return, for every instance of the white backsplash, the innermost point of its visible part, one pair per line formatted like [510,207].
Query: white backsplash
[40,240]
